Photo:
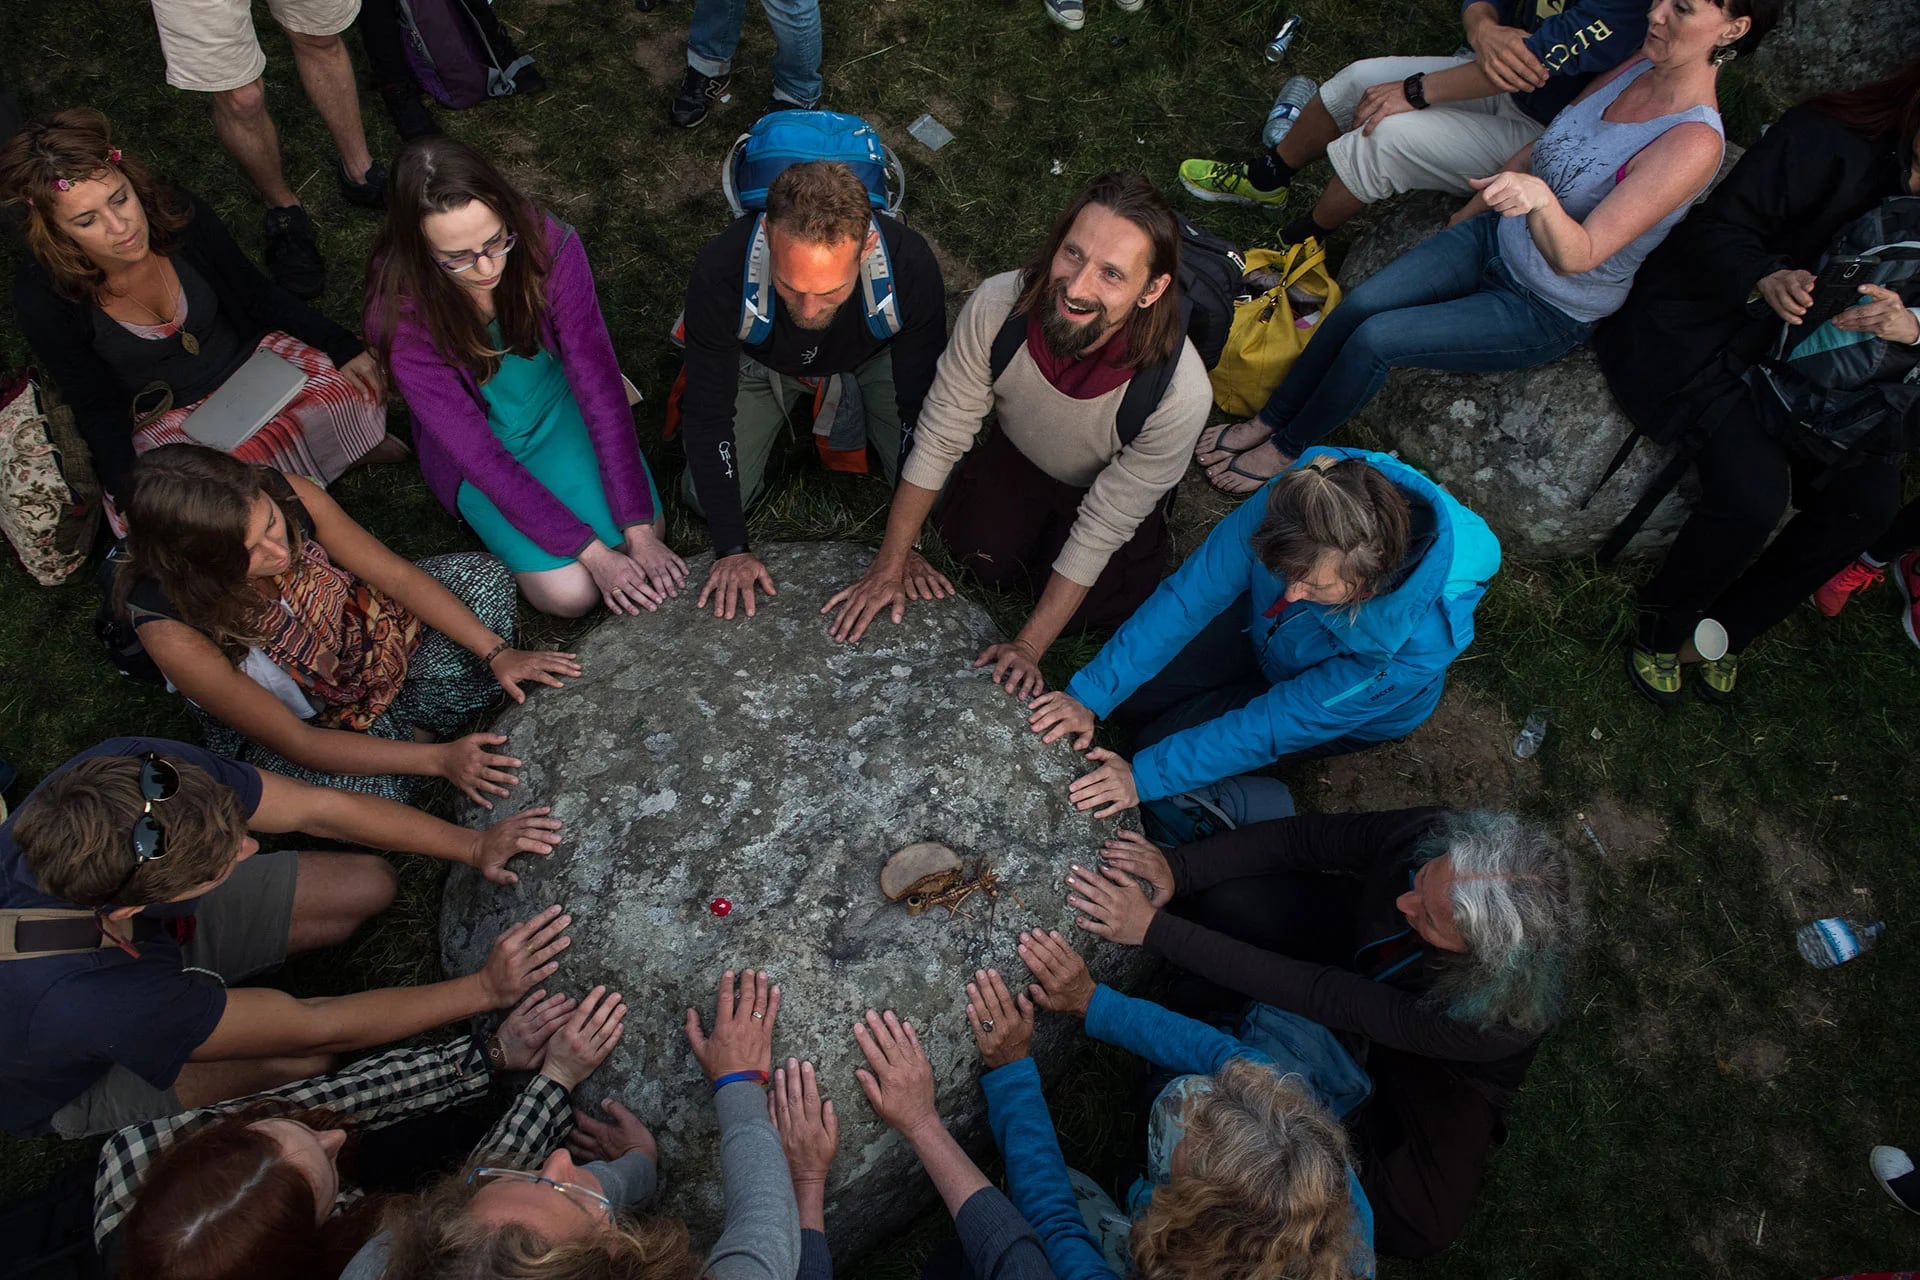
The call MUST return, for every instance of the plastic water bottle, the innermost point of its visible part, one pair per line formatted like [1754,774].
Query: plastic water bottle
[1836,940]
[1531,735]
[1296,93]
[1282,40]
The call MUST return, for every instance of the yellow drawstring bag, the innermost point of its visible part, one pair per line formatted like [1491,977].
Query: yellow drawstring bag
[1267,336]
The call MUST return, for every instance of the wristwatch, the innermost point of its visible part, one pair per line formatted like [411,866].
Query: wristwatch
[1414,86]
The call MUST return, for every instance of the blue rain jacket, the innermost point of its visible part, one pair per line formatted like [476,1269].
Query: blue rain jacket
[1374,674]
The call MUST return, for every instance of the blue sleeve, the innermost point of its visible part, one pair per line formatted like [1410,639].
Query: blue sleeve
[1588,38]
[1212,578]
[1037,1172]
[1318,705]
[816,1260]
[1161,1036]
[999,1243]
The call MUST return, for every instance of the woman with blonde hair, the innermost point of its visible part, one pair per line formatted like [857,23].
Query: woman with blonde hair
[138,305]
[1248,1171]
[1319,618]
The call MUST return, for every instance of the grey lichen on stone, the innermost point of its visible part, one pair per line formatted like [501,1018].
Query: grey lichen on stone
[756,760]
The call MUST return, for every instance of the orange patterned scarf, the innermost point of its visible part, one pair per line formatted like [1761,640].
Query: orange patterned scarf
[345,642]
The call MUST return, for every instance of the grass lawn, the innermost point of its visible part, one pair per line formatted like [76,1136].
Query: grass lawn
[1708,1108]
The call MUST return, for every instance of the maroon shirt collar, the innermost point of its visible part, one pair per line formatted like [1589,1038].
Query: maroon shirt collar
[1087,378]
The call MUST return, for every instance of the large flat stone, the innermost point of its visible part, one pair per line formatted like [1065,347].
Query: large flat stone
[757,760]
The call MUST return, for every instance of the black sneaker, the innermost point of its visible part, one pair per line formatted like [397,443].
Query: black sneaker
[782,104]
[697,93]
[410,117]
[370,192]
[293,257]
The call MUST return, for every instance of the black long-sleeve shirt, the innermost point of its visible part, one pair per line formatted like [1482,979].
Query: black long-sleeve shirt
[61,333]
[998,1242]
[714,349]
[1380,851]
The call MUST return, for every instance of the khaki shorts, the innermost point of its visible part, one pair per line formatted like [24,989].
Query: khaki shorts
[211,47]
[1437,149]
[242,930]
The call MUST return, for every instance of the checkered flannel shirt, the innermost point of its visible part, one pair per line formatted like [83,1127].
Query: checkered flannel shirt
[374,1093]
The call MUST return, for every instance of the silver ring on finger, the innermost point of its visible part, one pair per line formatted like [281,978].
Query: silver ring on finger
[758,1015]
[986,1025]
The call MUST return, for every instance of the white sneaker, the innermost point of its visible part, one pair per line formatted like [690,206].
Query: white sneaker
[1071,14]
[1129,6]
[1893,1170]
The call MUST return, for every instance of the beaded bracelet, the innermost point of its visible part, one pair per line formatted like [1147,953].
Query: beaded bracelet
[734,1077]
[494,652]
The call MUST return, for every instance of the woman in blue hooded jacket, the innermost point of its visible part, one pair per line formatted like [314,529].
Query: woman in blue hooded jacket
[1317,619]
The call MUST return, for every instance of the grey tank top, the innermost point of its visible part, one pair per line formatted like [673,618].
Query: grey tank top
[1583,157]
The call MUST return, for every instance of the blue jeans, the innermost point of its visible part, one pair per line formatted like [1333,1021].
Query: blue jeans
[1448,303]
[714,34]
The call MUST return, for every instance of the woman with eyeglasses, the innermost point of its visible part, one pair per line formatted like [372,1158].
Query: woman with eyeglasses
[305,646]
[1319,618]
[290,1184]
[481,307]
[138,305]
[574,1221]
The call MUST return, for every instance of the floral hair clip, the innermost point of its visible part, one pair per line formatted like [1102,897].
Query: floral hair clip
[61,184]
[113,154]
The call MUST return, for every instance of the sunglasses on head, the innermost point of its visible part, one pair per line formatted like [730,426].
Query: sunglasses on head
[159,782]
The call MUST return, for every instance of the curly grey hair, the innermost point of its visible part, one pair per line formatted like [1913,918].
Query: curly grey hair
[1516,901]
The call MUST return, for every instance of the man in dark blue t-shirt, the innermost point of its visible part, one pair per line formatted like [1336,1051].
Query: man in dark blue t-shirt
[131,895]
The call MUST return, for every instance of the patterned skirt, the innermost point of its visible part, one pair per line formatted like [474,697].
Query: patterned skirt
[447,688]
[324,429]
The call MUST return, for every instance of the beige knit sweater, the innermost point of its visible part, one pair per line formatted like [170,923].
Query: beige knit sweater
[1077,442]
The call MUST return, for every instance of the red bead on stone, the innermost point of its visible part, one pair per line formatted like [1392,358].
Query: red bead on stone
[720,906]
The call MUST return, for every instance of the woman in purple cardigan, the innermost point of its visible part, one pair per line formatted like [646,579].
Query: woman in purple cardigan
[481,306]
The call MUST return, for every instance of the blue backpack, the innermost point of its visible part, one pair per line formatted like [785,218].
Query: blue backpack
[1226,805]
[758,156]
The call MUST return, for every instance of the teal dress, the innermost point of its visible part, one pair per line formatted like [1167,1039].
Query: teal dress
[532,412]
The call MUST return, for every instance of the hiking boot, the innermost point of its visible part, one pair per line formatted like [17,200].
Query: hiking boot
[1831,598]
[1906,576]
[1655,676]
[698,92]
[410,117]
[1225,183]
[1893,1170]
[1071,14]
[1716,678]
[293,256]
[370,192]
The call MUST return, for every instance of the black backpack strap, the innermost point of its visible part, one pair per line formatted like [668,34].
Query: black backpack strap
[1149,384]
[1669,475]
[1006,345]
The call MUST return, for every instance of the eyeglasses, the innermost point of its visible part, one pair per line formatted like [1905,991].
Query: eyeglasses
[159,782]
[586,1198]
[456,263]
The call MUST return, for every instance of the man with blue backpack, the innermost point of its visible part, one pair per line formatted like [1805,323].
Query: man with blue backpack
[820,298]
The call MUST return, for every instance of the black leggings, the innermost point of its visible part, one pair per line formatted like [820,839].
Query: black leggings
[1902,536]
[1717,568]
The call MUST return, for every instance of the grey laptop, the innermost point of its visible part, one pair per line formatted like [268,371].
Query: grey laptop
[245,402]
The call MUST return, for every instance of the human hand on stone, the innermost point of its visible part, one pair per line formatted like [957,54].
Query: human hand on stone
[1016,667]
[809,1134]
[514,667]
[524,1035]
[665,571]
[1110,904]
[597,1139]
[1789,292]
[730,582]
[523,955]
[476,771]
[1002,1025]
[1064,985]
[533,830]
[898,1078]
[1109,787]
[1059,714]
[1138,856]
[742,1038]
[885,587]
[1884,314]
[585,1039]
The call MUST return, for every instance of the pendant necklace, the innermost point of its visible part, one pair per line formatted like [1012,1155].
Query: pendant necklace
[187,341]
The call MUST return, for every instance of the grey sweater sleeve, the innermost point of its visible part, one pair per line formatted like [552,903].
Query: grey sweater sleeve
[629,1181]
[760,1238]
[999,1243]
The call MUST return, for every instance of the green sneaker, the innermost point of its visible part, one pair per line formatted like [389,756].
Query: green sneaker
[1716,678]
[1655,676]
[1227,183]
